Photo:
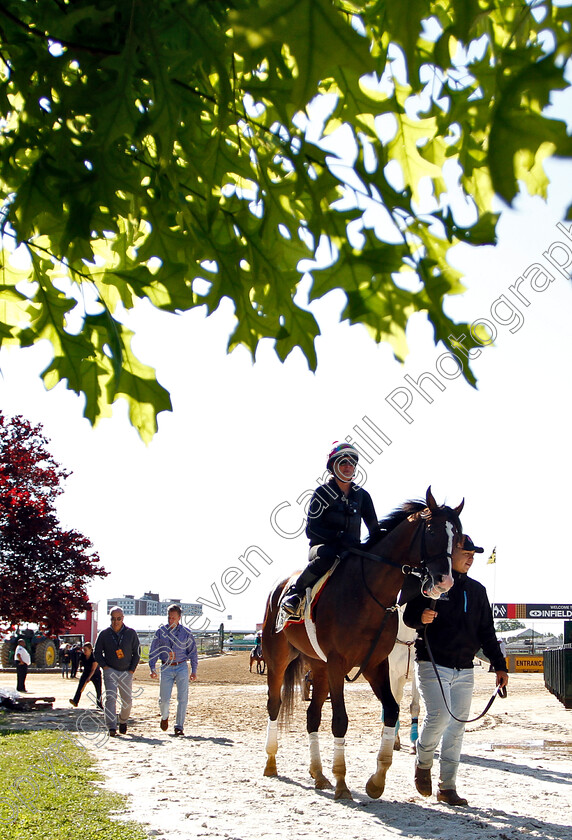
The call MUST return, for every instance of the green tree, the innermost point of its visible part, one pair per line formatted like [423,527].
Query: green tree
[505,624]
[161,151]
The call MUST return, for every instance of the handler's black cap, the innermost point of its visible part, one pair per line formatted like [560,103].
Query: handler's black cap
[468,545]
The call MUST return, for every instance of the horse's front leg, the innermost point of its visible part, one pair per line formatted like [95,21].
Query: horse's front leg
[381,686]
[313,720]
[336,677]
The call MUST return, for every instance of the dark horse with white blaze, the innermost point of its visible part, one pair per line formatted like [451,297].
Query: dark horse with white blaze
[356,626]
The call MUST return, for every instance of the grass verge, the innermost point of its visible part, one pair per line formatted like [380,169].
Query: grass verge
[49,790]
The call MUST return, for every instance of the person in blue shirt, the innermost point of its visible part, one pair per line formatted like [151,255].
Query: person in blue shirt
[174,645]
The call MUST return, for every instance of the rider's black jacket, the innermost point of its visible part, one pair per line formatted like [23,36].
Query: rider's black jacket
[335,518]
[463,625]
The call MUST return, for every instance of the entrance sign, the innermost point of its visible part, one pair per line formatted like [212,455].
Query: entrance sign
[527,664]
[532,611]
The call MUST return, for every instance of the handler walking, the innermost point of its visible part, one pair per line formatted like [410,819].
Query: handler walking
[460,624]
[91,672]
[117,651]
[175,646]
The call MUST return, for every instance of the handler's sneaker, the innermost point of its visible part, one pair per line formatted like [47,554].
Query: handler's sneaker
[178,731]
[122,728]
[423,781]
[164,724]
[451,797]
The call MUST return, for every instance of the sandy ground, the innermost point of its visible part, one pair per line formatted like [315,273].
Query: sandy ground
[516,766]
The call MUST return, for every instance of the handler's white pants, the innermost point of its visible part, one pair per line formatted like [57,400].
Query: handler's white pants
[438,723]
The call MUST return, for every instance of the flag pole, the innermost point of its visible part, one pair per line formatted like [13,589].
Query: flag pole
[493,561]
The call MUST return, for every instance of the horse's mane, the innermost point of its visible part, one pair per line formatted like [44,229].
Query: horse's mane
[396,517]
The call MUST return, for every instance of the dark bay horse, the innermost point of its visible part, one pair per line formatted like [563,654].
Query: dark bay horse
[356,626]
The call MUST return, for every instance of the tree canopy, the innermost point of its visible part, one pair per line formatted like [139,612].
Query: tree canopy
[44,569]
[505,624]
[163,151]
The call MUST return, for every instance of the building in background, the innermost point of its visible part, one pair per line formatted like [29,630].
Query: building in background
[85,623]
[149,604]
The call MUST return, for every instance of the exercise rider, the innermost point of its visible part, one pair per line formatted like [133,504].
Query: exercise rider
[335,514]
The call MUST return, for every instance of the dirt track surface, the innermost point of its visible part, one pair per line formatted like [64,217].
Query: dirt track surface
[516,767]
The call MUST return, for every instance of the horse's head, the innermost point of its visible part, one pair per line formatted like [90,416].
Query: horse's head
[441,529]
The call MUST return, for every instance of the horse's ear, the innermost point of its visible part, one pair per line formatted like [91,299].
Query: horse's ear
[459,508]
[431,503]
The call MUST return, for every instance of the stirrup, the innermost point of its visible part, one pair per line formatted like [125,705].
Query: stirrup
[291,605]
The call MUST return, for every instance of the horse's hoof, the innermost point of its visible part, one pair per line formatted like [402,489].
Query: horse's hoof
[342,793]
[270,769]
[321,782]
[374,790]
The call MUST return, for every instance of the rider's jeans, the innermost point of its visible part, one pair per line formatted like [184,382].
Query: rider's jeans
[438,723]
[177,675]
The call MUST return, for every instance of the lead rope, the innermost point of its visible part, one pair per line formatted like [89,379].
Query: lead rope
[500,689]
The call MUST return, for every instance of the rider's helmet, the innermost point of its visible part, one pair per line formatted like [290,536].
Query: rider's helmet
[340,450]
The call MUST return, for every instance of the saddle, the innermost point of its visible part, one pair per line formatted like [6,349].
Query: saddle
[307,607]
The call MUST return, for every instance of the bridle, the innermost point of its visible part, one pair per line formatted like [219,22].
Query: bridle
[420,571]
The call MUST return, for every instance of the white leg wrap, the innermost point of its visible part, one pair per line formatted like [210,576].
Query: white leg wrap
[388,734]
[272,737]
[315,759]
[386,746]
[339,749]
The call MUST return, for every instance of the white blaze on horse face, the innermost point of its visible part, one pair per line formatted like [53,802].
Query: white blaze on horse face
[447,580]
[451,535]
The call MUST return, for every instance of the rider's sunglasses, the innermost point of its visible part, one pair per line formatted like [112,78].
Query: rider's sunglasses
[348,461]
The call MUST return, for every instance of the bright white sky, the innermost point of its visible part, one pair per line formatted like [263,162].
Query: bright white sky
[173,516]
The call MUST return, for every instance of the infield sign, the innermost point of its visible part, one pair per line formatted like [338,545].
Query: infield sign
[532,611]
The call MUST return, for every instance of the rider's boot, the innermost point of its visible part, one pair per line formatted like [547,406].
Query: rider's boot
[293,597]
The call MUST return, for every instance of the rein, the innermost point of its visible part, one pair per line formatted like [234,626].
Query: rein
[388,611]
[405,570]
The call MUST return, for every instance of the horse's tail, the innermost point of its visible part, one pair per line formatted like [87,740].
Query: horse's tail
[292,679]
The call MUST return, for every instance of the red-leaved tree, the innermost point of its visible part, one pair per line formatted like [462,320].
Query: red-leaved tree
[44,569]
